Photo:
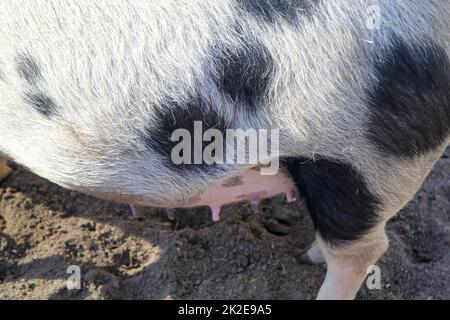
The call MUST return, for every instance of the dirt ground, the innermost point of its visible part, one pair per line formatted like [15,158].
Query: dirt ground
[44,229]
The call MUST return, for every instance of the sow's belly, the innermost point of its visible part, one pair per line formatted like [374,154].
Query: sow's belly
[248,186]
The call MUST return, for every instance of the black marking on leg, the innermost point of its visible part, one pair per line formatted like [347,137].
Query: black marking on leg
[28,68]
[410,104]
[42,103]
[341,206]
[175,115]
[244,74]
[279,10]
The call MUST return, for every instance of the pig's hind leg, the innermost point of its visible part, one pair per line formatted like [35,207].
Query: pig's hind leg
[344,211]
[351,199]
[350,216]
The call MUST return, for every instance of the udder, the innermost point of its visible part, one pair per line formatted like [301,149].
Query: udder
[248,186]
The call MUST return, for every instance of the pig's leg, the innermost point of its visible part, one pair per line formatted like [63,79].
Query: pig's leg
[405,130]
[344,212]
[353,238]
[5,170]
[347,265]
[349,208]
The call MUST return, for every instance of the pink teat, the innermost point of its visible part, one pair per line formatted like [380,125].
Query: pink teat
[133,210]
[215,214]
[170,214]
[290,196]
[255,205]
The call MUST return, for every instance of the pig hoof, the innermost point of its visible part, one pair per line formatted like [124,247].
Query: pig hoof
[312,255]
[5,170]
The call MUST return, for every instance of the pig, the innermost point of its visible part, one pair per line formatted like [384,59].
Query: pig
[91,94]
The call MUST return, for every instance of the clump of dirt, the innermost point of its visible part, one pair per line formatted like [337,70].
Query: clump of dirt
[44,229]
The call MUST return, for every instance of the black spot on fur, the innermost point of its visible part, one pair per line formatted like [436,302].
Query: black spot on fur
[410,105]
[182,116]
[42,103]
[244,74]
[28,68]
[341,206]
[273,10]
